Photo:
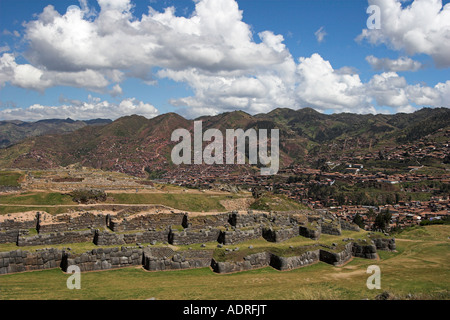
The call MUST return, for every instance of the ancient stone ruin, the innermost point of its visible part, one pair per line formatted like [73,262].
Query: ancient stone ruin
[125,231]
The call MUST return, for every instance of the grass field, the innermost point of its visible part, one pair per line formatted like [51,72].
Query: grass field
[10,179]
[182,201]
[194,202]
[418,270]
[37,198]
[273,202]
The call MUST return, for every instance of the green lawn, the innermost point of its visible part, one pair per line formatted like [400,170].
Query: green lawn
[418,270]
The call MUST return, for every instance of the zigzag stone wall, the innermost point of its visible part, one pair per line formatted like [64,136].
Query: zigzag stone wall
[164,258]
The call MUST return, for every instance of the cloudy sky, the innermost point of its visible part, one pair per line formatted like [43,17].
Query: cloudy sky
[88,59]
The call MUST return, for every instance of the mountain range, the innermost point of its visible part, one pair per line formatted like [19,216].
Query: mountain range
[135,144]
[12,132]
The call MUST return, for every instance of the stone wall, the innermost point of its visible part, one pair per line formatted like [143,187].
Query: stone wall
[366,251]
[104,259]
[345,225]
[289,263]
[56,238]
[20,261]
[71,221]
[146,221]
[333,228]
[106,238]
[245,220]
[253,261]
[238,235]
[189,236]
[264,259]
[11,236]
[155,260]
[312,232]
[202,222]
[16,222]
[279,235]
[384,244]
[165,258]
[337,258]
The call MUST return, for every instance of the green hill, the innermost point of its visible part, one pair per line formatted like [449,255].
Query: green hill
[132,143]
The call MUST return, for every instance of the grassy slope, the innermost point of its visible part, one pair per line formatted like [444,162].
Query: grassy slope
[420,267]
[37,198]
[9,178]
[272,202]
[189,202]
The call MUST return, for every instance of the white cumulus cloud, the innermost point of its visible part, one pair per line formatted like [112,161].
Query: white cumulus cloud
[421,27]
[93,109]
[216,54]
[398,65]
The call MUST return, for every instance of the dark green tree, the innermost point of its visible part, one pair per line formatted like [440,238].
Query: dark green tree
[358,221]
[382,220]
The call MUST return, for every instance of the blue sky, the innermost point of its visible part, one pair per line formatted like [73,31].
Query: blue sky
[48,73]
